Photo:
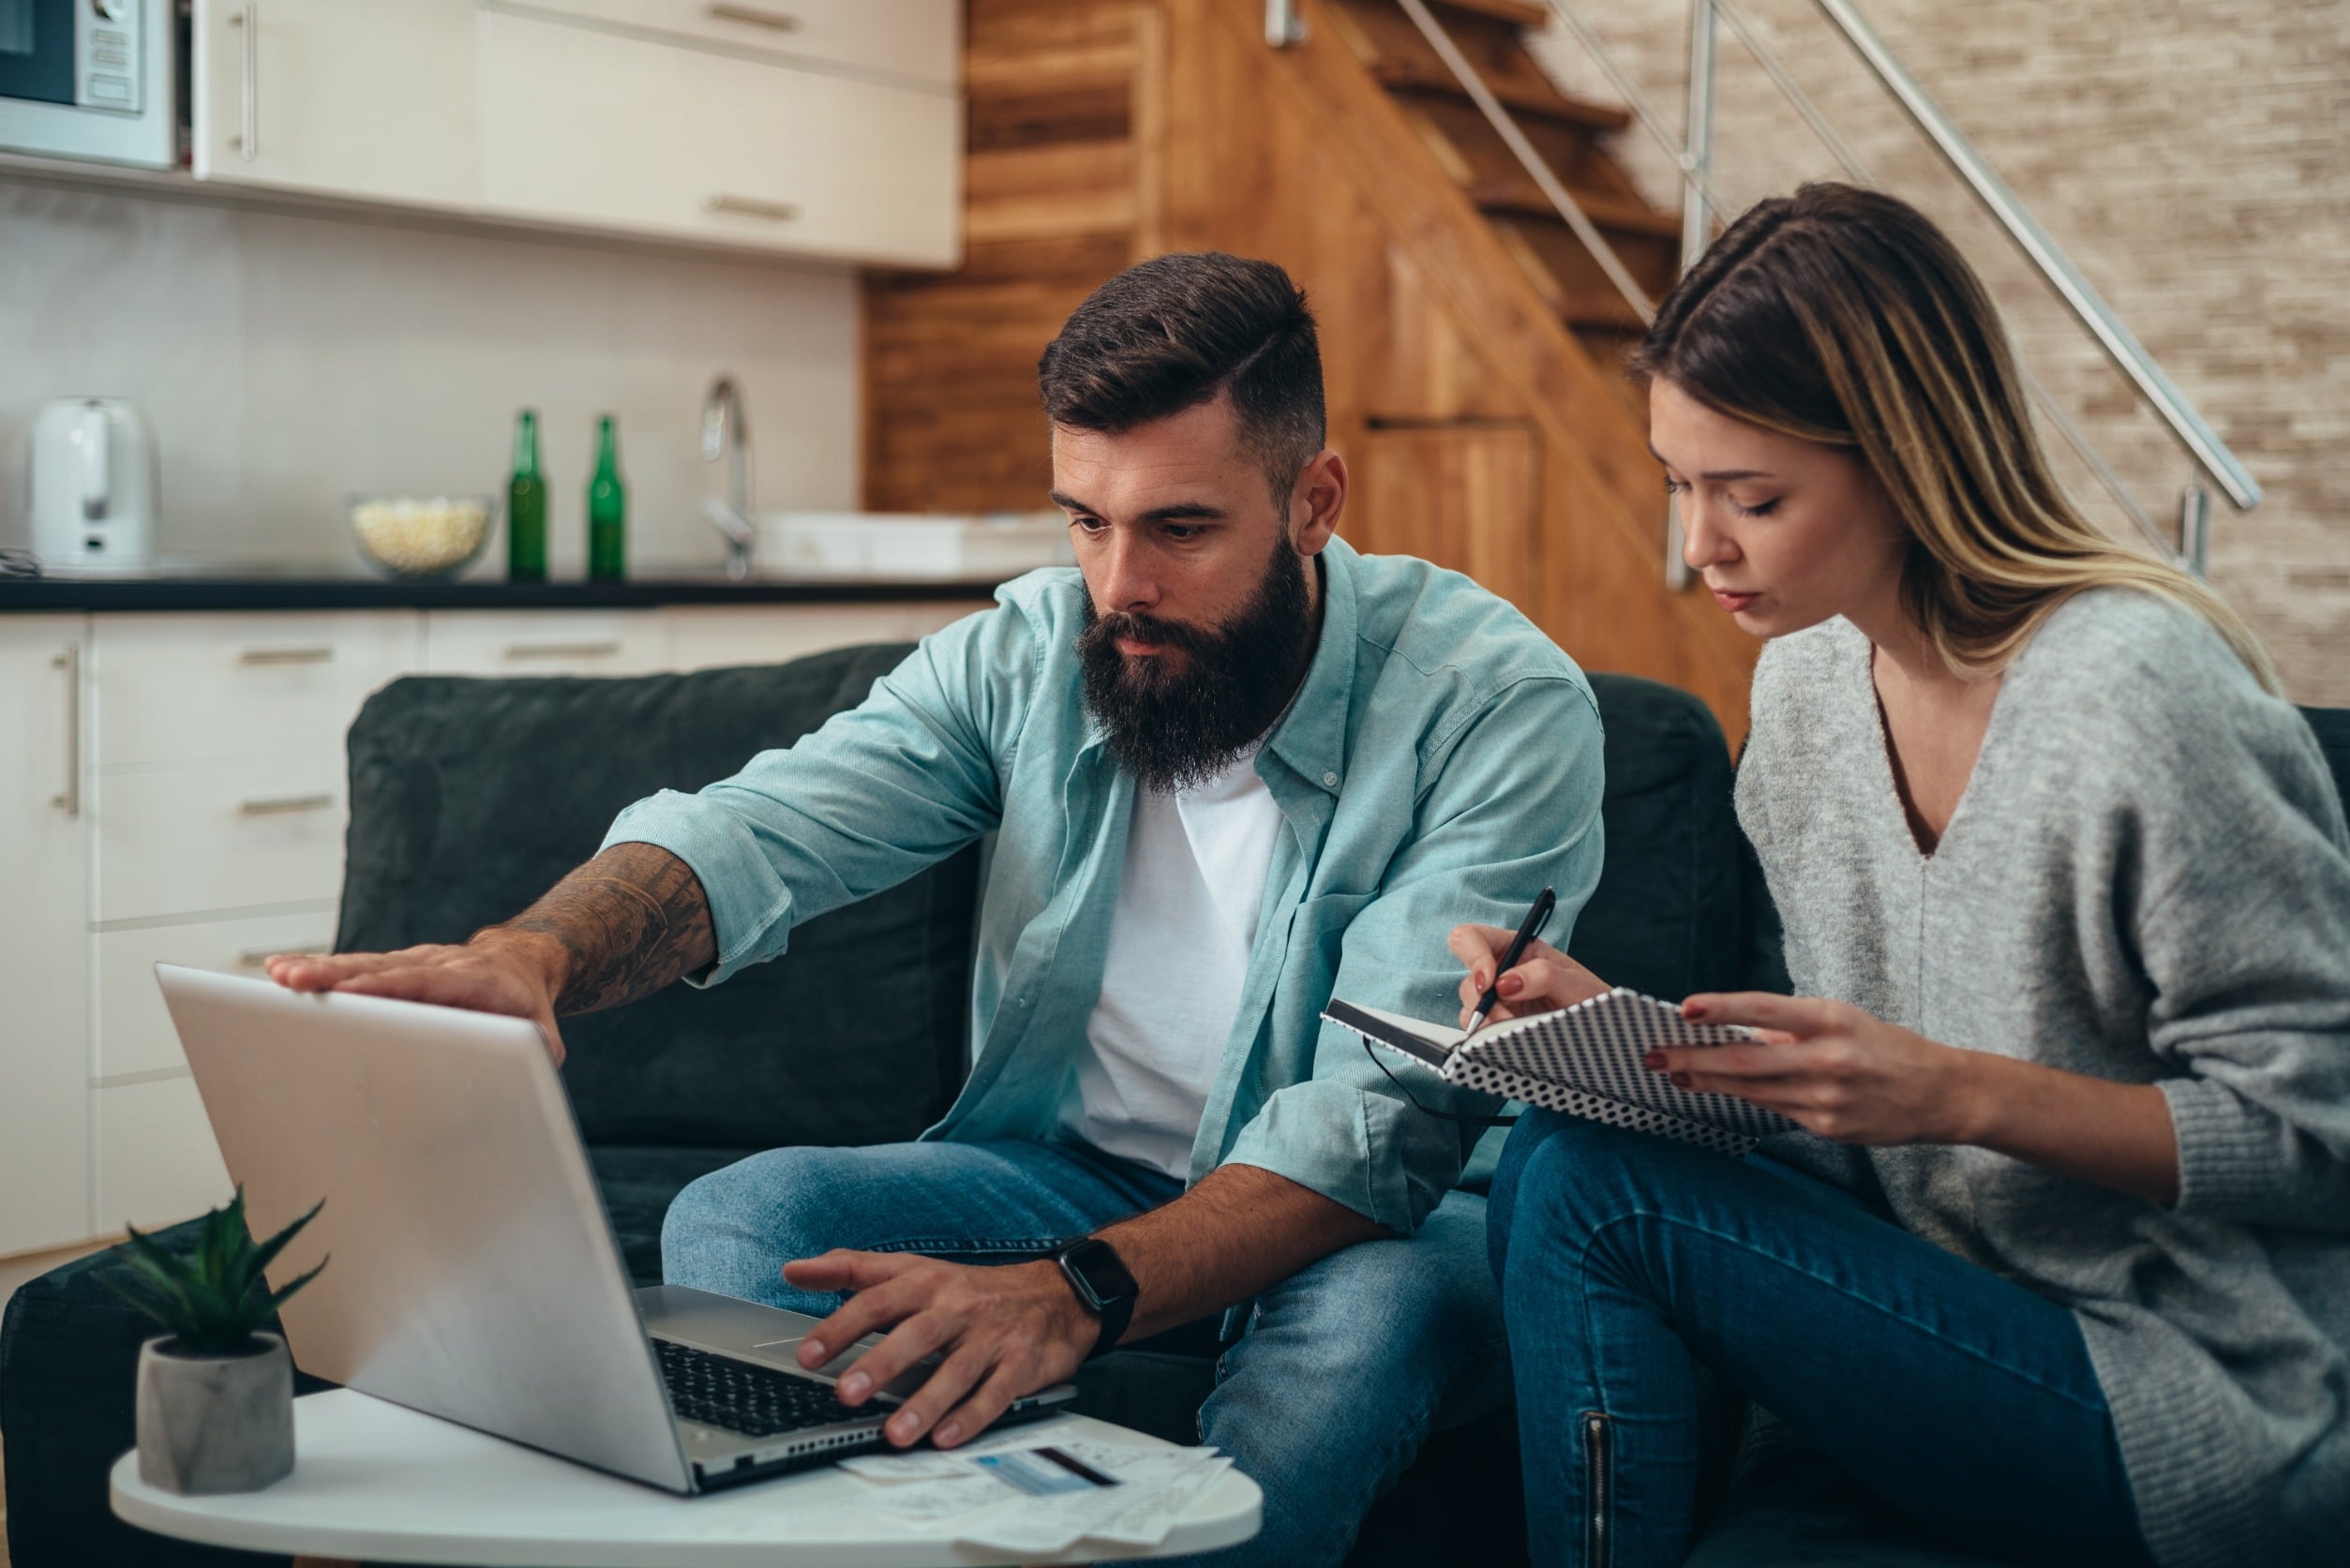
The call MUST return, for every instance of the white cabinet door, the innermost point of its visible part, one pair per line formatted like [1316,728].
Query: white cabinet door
[917,39]
[370,99]
[545,642]
[707,636]
[207,687]
[243,835]
[588,126]
[134,1033]
[44,1019]
[158,1162]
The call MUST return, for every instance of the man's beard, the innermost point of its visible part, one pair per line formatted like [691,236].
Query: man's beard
[1174,729]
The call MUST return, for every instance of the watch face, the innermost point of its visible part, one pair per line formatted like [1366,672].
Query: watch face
[1098,1267]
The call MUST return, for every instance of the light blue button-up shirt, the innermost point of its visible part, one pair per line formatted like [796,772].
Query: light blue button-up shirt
[1441,763]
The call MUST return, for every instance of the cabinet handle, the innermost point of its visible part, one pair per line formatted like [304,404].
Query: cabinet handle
[751,206]
[754,15]
[562,649]
[247,142]
[283,804]
[253,958]
[286,656]
[69,800]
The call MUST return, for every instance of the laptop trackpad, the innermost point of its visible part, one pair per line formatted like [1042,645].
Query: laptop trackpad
[905,1382]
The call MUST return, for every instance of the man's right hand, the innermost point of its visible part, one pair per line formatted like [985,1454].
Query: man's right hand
[500,970]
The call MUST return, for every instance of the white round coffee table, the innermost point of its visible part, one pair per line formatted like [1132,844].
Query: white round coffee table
[374,1481]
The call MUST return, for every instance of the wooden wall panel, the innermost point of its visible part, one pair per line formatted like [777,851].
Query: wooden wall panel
[1462,495]
[1054,201]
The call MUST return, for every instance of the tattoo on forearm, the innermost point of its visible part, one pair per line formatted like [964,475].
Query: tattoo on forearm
[632,919]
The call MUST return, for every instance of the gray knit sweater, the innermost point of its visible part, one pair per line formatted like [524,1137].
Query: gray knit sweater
[2148,879]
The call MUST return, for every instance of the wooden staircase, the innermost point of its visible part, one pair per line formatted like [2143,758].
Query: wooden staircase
[1570,134]
[1471,347]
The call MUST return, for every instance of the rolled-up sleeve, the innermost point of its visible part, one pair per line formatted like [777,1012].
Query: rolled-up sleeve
[2245,932]
[880,791]
[1513,808]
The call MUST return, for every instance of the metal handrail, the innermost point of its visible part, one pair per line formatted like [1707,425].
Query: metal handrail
[1842,151]
[1703,202]
[2210,453]
[1637,101]
[1531,160]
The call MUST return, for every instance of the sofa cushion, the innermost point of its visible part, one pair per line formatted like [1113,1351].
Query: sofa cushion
[1668,917]
[469,797]
[1789,1507]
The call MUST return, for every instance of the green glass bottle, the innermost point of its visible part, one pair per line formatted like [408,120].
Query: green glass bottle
[608,509]
[526,506]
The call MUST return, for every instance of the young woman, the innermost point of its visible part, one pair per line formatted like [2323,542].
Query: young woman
[2066,890]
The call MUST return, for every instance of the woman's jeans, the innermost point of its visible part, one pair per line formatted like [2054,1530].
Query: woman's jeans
[1963,1399]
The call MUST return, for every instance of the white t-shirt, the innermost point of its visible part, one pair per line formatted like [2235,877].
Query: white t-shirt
[1188,898]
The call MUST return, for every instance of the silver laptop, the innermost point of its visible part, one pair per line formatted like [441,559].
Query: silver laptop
[474,1275]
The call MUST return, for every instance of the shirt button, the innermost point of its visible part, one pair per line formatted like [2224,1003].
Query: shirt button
[1329,780]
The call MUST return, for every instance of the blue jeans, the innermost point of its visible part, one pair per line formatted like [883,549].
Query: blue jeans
[1324,1399]
[1963,1399]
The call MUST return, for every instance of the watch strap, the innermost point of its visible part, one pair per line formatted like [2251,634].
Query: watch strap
[1115,1310]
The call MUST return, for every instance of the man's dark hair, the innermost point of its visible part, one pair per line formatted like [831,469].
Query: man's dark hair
[1172,332]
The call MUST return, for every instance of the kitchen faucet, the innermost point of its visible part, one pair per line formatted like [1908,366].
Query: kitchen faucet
[726,433]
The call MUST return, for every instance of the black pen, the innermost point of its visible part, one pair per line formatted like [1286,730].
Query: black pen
[1533,923]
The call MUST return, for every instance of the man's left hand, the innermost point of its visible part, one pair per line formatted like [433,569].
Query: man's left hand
[999,1333]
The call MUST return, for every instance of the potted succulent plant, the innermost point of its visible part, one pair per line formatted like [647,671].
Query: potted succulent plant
[216,1394]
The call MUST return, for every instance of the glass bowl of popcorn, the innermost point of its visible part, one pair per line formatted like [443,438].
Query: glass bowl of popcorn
[421,536]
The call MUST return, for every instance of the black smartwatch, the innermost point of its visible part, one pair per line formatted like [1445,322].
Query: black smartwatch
[1095,1271]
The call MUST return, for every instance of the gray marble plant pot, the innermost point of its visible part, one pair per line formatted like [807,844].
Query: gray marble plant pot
[215,1423]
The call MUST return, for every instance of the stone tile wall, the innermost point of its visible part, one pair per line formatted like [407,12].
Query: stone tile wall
[2193,156]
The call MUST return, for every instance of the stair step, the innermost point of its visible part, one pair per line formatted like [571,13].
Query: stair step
[1518,13]
[1610,313]
[1521,197]
[1430,76]
[1569,281]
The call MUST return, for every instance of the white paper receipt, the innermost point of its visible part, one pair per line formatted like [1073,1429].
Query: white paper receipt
[1043,1496]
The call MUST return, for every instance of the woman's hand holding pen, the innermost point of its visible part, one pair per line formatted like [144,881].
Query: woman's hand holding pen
[1543,980]
[1833,1068]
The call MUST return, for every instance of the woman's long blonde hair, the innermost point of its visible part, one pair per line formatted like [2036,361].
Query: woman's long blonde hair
[1844,315]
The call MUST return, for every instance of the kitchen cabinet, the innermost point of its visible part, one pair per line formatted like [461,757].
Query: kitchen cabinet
[545,642]
[705,636]
[346,97]
[178,796]
[44,994]
[650,134]
[829,129]
[914,41]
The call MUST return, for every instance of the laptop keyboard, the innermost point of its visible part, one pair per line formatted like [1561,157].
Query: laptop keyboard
[742,1397]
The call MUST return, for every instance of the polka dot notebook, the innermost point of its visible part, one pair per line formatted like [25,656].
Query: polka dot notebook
[1584,1060]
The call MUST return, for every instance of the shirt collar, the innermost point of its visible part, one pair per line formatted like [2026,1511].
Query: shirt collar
[1312,740]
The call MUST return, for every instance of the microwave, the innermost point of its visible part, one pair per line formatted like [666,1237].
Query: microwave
[88,79]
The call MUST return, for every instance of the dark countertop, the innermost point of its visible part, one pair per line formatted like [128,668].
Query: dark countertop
[256,590]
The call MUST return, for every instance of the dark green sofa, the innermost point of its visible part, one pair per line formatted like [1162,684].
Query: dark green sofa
[470,797]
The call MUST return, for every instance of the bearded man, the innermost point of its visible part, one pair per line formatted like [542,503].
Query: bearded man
[1232,768]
